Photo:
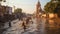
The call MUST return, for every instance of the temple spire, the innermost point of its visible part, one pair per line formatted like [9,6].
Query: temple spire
[38,9]
[38,0]
[38,3]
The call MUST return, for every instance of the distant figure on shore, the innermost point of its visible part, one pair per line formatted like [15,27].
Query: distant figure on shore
[9,23]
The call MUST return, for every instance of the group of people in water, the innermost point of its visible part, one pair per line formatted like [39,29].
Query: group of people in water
[27,22]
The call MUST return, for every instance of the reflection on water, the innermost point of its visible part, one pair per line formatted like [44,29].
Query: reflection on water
[52,30]
[53,27]
[38,27]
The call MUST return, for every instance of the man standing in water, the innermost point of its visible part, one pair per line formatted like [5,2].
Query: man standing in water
[24,26]
[9,23]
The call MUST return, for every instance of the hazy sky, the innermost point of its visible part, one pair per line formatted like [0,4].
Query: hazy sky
[28,6]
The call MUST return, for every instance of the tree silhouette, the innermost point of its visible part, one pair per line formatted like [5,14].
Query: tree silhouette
[53,7]
[3,0]
[18,12]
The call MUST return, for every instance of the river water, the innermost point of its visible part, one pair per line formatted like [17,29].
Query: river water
[38,27]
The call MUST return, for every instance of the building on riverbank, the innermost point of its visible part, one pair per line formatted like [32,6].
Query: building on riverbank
[5,10]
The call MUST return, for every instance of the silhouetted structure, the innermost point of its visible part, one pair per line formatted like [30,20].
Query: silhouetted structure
[39,11]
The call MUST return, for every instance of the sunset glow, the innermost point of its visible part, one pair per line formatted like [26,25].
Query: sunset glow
[28,6]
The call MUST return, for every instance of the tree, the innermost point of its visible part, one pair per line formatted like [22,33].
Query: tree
[53,7]
[18,10]
[18,13]
[3,0]
[0,0]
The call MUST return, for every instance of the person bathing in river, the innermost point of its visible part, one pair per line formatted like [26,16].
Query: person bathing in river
[27,20]
[24,26]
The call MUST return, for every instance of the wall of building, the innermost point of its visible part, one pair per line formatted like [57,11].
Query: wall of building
[5,10]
